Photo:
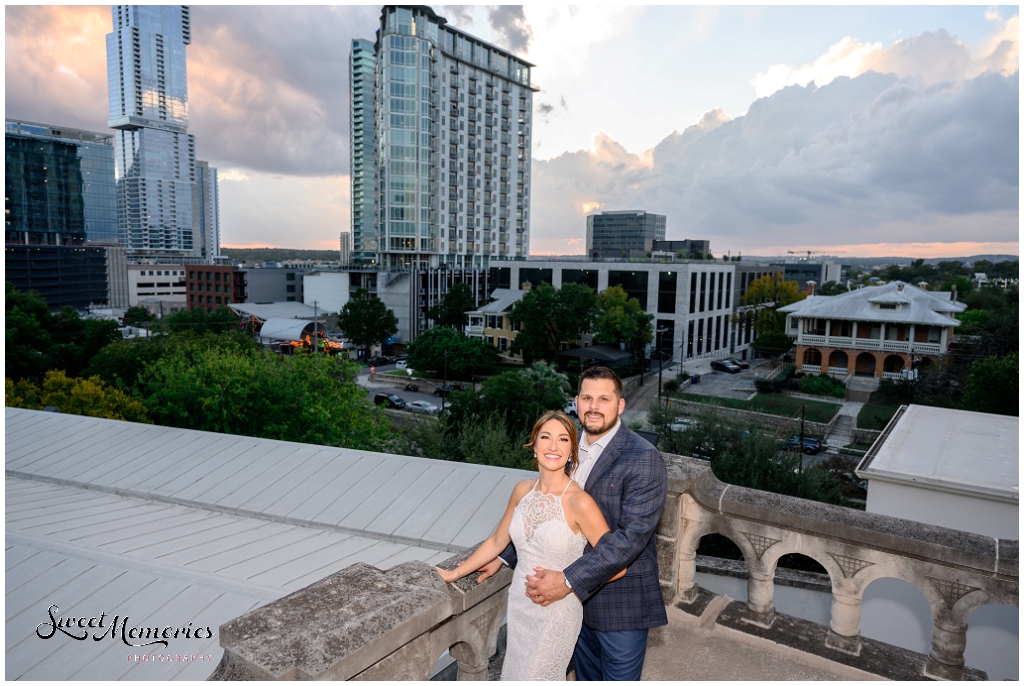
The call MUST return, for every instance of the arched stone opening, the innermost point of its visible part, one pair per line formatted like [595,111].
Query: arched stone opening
[837,360]
[897,612]
[812,356]
[865,365]
[993,640]
[893,364]
[726,557]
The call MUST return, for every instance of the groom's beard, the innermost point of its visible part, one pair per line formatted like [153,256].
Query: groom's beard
[596,423]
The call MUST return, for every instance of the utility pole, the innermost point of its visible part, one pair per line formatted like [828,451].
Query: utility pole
[444,379]
[803,412]
[316,325]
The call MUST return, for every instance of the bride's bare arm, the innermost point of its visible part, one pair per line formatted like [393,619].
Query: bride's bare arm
[590,520]
[495,543]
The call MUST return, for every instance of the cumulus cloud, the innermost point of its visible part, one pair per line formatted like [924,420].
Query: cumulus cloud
[509,22]
[933,56]
[852,160]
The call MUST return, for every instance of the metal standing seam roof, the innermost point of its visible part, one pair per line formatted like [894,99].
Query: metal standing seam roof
[919,306]
[171,526]
[285,310]
[951,450]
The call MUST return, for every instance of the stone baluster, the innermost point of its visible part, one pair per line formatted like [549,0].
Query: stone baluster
[472,663]
[687,570]
[844,629]
[760,592]
[946,659]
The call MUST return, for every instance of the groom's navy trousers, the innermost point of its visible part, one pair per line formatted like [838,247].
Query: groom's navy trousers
[629,483]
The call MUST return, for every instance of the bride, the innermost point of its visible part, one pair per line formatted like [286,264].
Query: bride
[550,520]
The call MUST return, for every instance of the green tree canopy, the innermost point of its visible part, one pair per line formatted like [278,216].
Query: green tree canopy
[464,355]
[773,344]
[137,316]
[992,386]
[366,320]
[221,320]
[452,309]
[90,397]
[621,320]
[550,317]
[303,398]
[769,293]
[518,397]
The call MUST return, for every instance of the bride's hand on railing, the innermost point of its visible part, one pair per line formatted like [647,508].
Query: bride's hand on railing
[449,576]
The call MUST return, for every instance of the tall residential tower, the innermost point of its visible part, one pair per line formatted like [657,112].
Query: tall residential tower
[362,66]
[155,155]
[452,131]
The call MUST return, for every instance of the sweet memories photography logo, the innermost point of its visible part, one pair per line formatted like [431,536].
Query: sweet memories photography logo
[80,629]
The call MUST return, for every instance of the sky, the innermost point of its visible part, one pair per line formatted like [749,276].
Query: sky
[857,131]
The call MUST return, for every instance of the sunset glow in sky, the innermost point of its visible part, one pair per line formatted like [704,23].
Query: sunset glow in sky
[860,131]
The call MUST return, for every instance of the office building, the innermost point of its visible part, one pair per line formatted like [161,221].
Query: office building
[212,286]
[206,212]
[452,137]
[362,65]
[820,272]
[61,215]
[686,249]
[345,249]
[273,284]
[692,302]
[148,98]
[620,233]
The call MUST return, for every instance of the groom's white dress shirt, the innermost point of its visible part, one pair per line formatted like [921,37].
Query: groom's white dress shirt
[590,452]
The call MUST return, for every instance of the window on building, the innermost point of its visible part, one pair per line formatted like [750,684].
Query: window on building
[502,344]
[701,298]
[700,336]
[289,288]
[693,294]
[290,298]
[667,292]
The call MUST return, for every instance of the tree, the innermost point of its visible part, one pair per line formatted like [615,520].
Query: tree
[832,288]
[305,398]
[769,293]
[89,397]
[621,320]
[221,320]
[773,344]
[992,386]
[366,320]
[550,317]
[464,355]
[518,397]
[452,309]
[137,316]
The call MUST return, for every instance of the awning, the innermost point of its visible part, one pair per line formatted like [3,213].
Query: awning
[287,330]
[601,353]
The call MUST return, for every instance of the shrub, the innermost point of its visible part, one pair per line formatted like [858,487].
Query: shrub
[822,384]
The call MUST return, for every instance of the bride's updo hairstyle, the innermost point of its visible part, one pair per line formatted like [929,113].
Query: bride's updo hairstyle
[570,428]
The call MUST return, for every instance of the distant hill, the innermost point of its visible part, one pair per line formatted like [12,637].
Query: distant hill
[278,254]
[865,262]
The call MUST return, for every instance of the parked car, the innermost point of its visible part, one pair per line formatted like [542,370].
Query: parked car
[739,363]
[725,366]
[570,409]
[422,407]
[445,391]
[682,425]
[393,401]
[812,446]
[412,387]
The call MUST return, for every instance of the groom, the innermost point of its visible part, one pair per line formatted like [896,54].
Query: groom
[626,477]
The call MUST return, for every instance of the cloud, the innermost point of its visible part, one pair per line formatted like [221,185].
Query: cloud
[933,56]
[855,160]
[509,22]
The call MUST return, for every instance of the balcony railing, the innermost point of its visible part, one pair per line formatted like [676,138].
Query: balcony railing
[364,623]
[813,368]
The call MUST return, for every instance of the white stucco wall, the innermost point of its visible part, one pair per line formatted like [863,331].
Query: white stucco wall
[975,514]
[330,290]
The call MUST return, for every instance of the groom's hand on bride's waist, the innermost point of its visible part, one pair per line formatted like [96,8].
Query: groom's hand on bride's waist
[546,586]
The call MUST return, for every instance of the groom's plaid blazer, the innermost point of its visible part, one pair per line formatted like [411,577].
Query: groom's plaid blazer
[629,483]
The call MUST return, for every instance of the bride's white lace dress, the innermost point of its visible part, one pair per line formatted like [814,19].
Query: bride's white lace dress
[541,639]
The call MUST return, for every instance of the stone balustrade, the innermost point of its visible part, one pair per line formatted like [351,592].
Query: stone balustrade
[363,623]
[956,571]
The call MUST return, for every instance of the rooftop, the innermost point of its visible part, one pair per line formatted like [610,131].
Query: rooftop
[913,305]
[951,450]
[286,310]
[504,298]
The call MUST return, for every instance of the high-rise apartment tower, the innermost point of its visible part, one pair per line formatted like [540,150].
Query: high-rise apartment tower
[206,212]
[155,155]
[362,67]
[452,132]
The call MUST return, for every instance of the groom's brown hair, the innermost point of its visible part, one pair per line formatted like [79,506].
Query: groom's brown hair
[602,373]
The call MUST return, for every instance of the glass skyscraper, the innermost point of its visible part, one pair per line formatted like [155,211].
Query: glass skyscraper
[362,66]
[451,144]
[148,98]
[206,212]
[618,233]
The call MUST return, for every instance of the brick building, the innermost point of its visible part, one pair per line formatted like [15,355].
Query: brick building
[211,286]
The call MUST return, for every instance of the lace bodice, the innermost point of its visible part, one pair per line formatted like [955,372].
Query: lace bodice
[541,639]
